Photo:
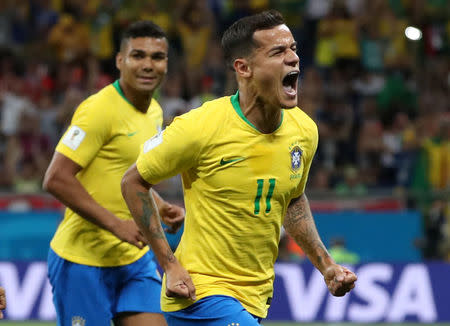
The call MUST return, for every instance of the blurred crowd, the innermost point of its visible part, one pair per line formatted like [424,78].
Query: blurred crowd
[379,98]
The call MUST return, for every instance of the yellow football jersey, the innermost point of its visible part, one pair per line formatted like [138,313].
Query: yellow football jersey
[104,137]
[237,185]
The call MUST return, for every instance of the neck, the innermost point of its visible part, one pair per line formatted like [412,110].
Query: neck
[140,100]
[265,117]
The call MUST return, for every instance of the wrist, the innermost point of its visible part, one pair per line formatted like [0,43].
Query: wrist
[170,263]
[113,223]
[326,264]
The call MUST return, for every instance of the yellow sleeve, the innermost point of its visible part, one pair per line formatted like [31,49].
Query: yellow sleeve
[89,130]
[308,159]
[172,151]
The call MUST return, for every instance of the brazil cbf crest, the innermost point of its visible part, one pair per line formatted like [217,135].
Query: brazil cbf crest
[78,321]
[296,158]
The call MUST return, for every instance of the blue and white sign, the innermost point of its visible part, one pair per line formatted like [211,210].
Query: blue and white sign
[384,293]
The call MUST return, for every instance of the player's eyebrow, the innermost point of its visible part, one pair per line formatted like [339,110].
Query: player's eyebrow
[138,51]
[142,52]
[282,47]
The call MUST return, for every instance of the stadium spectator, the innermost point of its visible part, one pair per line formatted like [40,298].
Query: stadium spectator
[238,183]
[45,18]
[335,123]
[340,253]
[99,265]
[321,179]
[195,27]
[351,185]
[101,29]
[70,39]
[29,152]
[172,98]
[370,147]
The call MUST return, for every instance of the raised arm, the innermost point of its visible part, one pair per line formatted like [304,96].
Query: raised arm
[135,190]
[299,224]
[60,180]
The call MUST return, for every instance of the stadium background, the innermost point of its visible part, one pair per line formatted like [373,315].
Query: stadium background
[378,90]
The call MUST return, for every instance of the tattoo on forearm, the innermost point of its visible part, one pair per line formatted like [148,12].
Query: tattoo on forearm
[296,213]
[170,257]
[157,232]
[299,223]
[150,224]
[146,208]
[149,210]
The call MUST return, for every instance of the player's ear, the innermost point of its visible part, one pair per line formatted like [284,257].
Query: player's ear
[242,67]
[119,60]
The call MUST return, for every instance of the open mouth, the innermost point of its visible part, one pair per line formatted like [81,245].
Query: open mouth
[290,83]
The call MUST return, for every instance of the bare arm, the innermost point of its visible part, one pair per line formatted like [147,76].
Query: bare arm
[299,224]
[61,182]
[2,301]
[143,207]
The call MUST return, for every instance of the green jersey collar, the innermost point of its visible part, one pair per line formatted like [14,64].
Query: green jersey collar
[116,85]
[237,108]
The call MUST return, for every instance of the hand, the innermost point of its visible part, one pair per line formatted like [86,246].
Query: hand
[2,301]
[128,231]
[339,280]
[172,216]
[179,283]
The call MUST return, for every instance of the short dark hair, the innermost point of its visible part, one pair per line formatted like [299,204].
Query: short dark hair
[142,28]
[237,40]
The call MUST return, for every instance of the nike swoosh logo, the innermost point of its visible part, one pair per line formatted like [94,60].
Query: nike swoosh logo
[132,133]
[223,162]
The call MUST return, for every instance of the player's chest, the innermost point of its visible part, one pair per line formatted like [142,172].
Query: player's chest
[127,139]
[261,163]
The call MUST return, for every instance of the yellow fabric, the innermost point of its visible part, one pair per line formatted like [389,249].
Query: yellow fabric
[195,43]
[101,39]
[325,53]
[439,163]
[114,131]
[161,19]
[69,38]
[396,46]
[346,38]
[226,247]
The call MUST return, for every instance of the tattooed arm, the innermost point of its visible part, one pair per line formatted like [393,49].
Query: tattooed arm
[299,224]
[135,191]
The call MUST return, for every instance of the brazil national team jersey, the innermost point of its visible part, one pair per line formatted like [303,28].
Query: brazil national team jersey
[104,138]
[237,185]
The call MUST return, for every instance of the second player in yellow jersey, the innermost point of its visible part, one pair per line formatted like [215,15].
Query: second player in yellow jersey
[99,261]
[104,138]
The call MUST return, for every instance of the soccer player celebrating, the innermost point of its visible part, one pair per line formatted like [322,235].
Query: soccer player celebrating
[99,265]
[244,161]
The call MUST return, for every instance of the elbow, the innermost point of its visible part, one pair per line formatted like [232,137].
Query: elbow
[124,183]
[50,181]
[132,179]
[127,180]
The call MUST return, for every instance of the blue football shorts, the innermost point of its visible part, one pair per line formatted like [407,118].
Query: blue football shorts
[89,295]
[215,310]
